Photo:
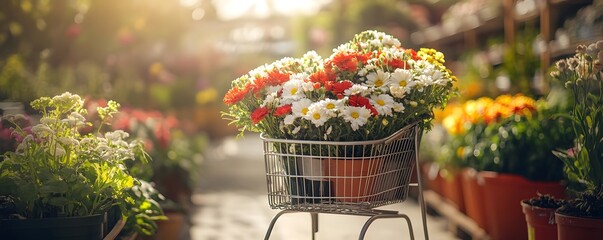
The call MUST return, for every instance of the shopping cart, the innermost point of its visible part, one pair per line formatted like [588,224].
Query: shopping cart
[352,178]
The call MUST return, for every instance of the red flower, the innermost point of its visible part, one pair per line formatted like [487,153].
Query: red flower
[413,54]
[235,94]
[282,110]
[360,101]
[398,63]
[276,78]
[340,87]
[259,114]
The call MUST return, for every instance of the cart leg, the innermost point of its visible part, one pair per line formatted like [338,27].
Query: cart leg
[273,222]
[314,217]
[422,201]
[373,218]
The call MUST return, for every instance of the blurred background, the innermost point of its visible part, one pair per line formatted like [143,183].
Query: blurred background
[169,62]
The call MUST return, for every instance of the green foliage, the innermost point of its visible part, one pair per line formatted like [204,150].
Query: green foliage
[143,209]
[587,204]
[523,145]
[508,135]
[56,171]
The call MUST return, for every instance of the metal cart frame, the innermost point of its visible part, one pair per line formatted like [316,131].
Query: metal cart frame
[349,178]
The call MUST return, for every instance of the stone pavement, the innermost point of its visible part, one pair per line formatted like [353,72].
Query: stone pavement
[231,204]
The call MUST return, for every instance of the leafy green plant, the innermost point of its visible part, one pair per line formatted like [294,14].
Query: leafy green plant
[56,171]
[509,134]
[144,208]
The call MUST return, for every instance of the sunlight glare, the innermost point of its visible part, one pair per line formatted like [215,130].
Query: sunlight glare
[188,3]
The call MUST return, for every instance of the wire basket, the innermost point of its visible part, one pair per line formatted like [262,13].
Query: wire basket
[340,177]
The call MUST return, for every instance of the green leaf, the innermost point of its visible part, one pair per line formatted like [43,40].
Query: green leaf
[54,186]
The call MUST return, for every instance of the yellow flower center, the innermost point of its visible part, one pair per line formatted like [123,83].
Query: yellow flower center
[355,115]
[316,116]
[304,111]
[293,91]
[379,83]
[403,83]
[380,102]
[330,106]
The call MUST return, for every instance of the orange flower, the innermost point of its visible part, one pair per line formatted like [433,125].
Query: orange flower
[235,94]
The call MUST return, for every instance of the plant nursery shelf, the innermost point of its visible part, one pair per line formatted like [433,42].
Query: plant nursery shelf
[461,225]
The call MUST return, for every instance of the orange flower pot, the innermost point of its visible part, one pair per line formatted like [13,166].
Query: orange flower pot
[353,180]
[452,189]
[540,222]
[570,227]
[473,195]
[502,192]
[430,172]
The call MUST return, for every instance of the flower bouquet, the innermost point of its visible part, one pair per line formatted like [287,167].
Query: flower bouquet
[368,89]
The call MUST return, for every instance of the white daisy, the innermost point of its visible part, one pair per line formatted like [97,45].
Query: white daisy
[398,107]
[383,103]
[402,78]
[356,116]
[317,115]
[397,91]
[293,89]
[300,108]
[331,106]
[378,79]
[356,89]
[289,119]
[271,100]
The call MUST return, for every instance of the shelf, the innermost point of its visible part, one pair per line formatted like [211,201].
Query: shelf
[557,52]
[451,32]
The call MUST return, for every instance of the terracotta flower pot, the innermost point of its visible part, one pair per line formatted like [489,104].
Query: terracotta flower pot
[353,180]
[473,195]
[452,189]
[172,228]
[502,192]
[570,227]
[540,222]
[430,172]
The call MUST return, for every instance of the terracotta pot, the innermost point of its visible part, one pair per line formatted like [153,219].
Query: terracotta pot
[353,180]
[452,189]
[570,227]
[172,228]
[433,180]
[540,222]
[502,192]
[473,195]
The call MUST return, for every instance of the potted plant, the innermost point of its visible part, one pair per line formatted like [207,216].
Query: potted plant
[582,74]
[368,89]
[509,140]
[59,183]
[176,163]
[540,216]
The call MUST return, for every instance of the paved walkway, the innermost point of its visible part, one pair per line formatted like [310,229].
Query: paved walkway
[231,204]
